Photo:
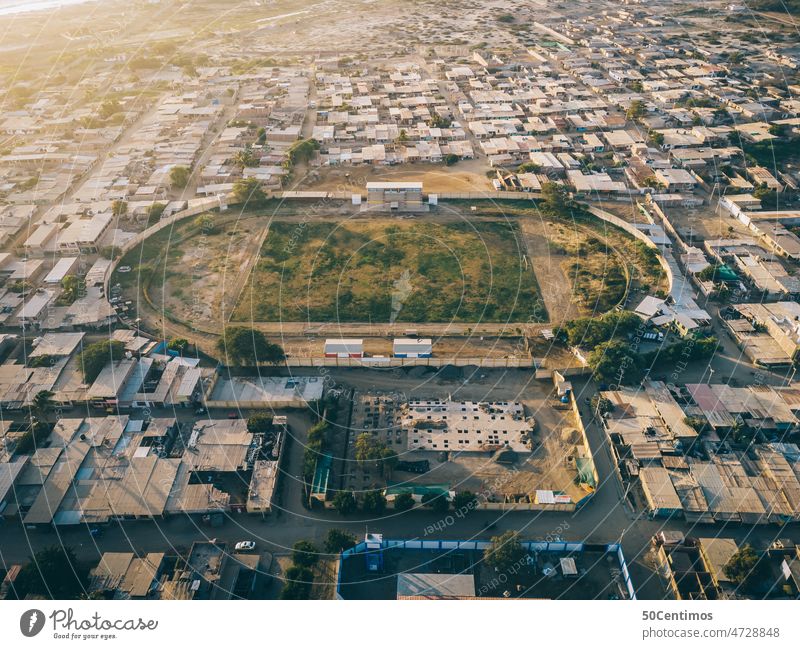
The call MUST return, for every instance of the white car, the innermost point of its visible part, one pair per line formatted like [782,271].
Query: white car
[124,269]
[245,546]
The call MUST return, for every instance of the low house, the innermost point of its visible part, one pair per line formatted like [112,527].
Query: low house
[412,348]
[344,348]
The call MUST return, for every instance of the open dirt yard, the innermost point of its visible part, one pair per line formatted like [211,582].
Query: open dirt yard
[465,176]
[696,224]
[548,466]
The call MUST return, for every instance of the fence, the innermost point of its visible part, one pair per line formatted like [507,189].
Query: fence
[638,234]
[372,361]
[564,547]
[487,195]
[203,205]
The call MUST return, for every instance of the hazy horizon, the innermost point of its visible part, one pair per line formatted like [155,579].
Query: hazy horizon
[11,7]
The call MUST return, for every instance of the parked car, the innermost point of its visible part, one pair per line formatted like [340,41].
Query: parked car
[245,546]
[124,269]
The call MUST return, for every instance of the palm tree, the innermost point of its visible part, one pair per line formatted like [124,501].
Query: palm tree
[245,158]
[42,404]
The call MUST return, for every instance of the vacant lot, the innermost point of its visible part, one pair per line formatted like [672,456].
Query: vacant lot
[466,176]
[392,271]
[187,272]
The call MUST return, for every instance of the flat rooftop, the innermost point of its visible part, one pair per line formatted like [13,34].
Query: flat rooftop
[266,390]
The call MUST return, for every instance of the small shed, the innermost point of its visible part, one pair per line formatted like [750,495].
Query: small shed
[344,348]
[412,348]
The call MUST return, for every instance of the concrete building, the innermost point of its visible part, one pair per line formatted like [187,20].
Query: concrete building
[398,196]
[123,575]
[442,425]
[84,235]
[344,348]
[63,267]
[676,179]
[768,333]
[412,348]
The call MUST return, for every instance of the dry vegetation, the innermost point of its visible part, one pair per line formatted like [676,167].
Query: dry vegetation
[384,270]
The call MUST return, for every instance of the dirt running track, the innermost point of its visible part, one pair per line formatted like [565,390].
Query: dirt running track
[555,286]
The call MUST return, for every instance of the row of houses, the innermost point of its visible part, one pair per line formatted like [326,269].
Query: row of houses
[684,446]
[99,469]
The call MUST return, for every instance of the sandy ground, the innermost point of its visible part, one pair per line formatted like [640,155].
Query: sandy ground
[704,222]
[547,467]
[209,271]
[554,284]
[466,176]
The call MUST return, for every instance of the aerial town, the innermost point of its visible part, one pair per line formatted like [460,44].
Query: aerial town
[400,299]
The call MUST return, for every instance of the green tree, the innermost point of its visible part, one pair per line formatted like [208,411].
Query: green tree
[179,176]
[297,583]
[464,501]
[45,360]
[437,121]
[207,225]
[42,404]
[698,423]
[302,151]
[656,137]
[709,273]
[590,332]
[636,110]
[304,553]
[179,344]
[735,57]
[248,192]
[366,448]
[388,460]
[652,181]
[154,213]
[602,405]
[615,361]
[373,502]
[246,158]
[119,208]
[33,438]
[345,502]
[555,199]
[338,541]
[437,502]
[403,502]
[259,422]
[767,196]
[505,552]
[72,288]
[450,159]
[245,346]
[746,569]
[52,573]
[96,356]
[529,168]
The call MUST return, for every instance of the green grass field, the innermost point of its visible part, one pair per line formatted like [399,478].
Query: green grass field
[386,270]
